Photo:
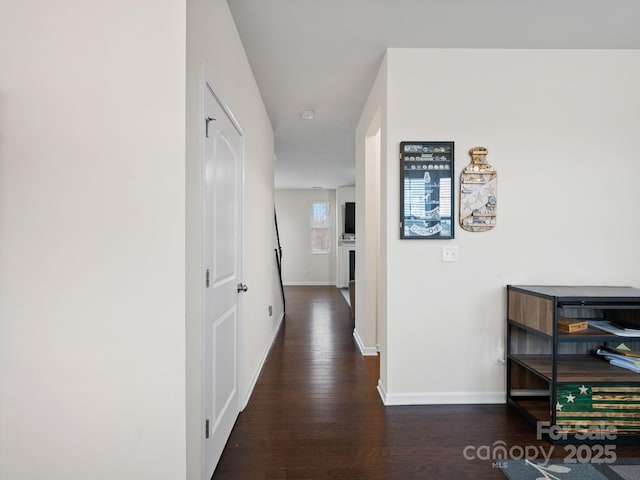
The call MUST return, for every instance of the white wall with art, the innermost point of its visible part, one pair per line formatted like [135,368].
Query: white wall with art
[561,129]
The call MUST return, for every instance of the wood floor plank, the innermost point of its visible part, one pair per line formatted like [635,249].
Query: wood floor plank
[315,413]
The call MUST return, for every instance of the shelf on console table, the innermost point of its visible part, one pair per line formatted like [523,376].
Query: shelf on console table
[577,368]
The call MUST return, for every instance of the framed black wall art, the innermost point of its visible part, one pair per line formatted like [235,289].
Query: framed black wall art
[426,190]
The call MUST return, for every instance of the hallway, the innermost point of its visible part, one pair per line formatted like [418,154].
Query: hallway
[315,413]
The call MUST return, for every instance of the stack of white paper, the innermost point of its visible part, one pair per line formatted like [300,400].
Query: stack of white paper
[624,359]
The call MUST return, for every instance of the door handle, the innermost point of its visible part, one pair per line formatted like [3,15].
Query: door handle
[242,287]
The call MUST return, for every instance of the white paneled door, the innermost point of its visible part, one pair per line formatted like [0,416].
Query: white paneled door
[222,281]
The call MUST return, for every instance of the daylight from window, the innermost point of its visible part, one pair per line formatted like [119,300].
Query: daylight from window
[320,228]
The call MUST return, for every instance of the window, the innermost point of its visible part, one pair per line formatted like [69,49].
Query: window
[320,228]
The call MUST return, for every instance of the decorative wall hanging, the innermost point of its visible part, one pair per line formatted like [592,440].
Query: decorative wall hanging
[478,190]
[426,190]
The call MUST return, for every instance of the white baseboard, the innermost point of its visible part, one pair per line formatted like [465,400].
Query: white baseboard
[309,284]
[365,351]
[440,398]
[382,392]
[256,374]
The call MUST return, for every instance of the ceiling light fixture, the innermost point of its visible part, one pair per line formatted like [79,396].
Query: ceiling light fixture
[307,114]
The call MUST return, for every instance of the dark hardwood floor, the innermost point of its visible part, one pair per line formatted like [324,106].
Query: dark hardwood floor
[315,413]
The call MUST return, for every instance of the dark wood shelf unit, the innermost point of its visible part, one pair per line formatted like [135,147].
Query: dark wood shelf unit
[546,367]
[590,334]
[577,368]
[536,409]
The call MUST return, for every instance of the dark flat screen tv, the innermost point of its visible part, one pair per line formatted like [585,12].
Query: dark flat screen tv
[350,217]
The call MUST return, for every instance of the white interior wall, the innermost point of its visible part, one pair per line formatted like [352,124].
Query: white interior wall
[561,129]
[370,322]
[92,240]
[299,266]
[213,43]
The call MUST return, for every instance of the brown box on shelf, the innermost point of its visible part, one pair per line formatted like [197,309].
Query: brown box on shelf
[572,324]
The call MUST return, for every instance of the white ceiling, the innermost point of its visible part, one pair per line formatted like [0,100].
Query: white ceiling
[324,55]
